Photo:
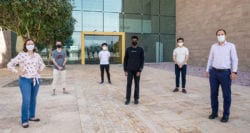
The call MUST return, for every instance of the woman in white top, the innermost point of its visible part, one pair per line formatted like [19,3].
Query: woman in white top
[180,57]
[30,65]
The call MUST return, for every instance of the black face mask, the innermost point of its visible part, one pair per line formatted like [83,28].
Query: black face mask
[134,43]
[59,46]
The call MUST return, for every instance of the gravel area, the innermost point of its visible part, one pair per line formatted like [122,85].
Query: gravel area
[242,79]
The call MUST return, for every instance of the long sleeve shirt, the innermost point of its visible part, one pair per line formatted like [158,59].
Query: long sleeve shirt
[223,57]
[134,59]
[27,64]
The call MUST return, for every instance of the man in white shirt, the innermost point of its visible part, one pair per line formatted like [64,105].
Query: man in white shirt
[221,69]
[180,57]
[104,57]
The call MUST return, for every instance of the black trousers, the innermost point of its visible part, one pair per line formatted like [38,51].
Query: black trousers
[130,77]
[183,72]
[106,67]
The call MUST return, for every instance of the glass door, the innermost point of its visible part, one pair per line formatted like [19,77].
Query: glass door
[92,45]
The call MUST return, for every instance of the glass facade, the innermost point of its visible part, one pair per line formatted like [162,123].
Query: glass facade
[153,21]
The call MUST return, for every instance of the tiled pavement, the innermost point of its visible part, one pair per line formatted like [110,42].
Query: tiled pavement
[91,107]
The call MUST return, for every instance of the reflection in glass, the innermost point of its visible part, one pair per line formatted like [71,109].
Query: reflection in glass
[112,22]
[168,46]
[132,23]
[93,5]
[92,21]
[149,42]
[150,24]
[132,6]
[167,25]
[78,16]
[93,47]
[74,48]
[113,5]
[167,7]
[151,7]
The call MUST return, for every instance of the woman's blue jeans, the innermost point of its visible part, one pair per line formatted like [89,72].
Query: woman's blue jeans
[29,92]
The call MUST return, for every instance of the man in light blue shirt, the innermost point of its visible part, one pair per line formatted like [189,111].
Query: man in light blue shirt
[221,69]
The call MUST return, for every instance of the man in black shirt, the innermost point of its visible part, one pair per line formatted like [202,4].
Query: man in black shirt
[133,65]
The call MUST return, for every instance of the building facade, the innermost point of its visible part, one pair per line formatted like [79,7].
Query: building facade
[111,21]
[198,20]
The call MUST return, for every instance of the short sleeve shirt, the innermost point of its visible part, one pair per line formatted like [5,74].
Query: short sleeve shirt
[181,53]
[59,57]
[104,57]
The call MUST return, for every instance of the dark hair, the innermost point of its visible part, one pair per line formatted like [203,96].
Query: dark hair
[180,38]
[135,37]
[24,45]
[221,30]
[104,44]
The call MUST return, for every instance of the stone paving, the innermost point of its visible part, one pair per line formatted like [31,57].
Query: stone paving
[94,108]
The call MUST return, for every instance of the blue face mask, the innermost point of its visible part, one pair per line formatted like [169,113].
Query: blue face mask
[221,38]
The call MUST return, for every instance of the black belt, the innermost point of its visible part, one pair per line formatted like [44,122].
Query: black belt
[220,70]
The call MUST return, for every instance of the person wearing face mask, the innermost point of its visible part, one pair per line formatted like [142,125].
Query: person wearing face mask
[59,59]
[221,69]
[180,57]
[133,66]
[104,57]
[30,66]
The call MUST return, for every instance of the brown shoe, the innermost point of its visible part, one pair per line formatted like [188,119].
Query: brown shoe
[176,90]
[184,91]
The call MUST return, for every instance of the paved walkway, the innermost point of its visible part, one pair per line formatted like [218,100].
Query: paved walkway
[94,108]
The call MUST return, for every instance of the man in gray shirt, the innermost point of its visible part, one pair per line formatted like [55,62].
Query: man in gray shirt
[59,58]
[221,69]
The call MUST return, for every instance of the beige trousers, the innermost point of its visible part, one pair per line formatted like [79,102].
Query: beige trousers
[59,79]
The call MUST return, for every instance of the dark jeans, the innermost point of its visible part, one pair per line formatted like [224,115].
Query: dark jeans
[130,77]
[217,78]
[106,67]
[29,93]
[183,72]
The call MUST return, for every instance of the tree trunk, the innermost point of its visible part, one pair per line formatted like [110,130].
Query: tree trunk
[49,53]
[27,30]
[19,43]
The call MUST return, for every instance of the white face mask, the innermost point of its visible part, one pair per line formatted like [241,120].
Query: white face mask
[221,38]
[180,44]
[30,47]
[104,48]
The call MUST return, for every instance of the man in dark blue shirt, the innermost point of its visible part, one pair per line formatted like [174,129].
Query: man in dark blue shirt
[133,65]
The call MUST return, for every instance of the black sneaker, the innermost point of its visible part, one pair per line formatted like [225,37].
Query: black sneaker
[176,90]
[109,82]
[184,91]
[101,82]
[224,119]
[213,116]
[34,119]
[127,102]
[136,101]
